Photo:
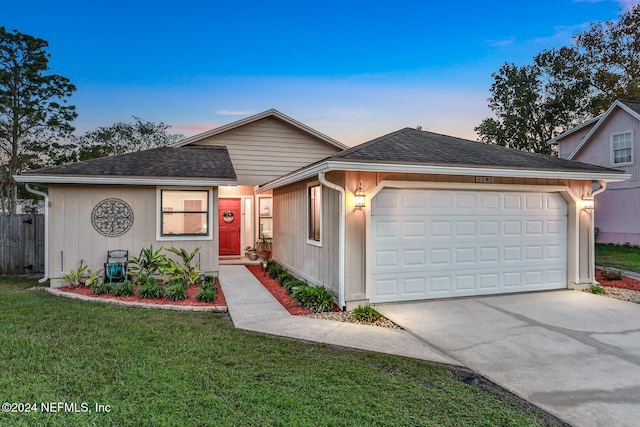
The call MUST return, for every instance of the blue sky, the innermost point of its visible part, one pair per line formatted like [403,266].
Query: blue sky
[353,70]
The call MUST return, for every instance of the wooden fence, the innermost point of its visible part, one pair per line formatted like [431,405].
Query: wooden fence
[21,244]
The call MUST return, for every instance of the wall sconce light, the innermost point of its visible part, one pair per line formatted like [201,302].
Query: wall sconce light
[587,202]
[359,197]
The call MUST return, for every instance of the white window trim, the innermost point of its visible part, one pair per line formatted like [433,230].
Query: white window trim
[613,164]
[158,215]
[307,207]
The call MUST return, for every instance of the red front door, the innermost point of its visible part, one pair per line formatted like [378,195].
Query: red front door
[229,219]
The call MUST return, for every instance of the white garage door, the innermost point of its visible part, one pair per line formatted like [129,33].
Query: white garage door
[440,244]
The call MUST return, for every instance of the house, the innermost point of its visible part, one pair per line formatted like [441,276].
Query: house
[198,193]
[610,140]
[442,217]
[407,216]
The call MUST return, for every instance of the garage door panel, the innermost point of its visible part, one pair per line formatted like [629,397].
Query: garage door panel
[459,243]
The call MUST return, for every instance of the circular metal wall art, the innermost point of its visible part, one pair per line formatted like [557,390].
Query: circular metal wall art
[112,217]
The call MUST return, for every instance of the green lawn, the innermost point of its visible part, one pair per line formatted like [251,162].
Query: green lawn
[160,368]
[619,256]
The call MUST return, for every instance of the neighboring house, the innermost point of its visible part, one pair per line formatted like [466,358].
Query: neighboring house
[441,216]
[611,140]
[198,193]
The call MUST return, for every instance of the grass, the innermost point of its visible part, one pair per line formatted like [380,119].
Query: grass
[171,368]
[625,257]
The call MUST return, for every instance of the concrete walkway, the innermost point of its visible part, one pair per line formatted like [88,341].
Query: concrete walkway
[253,308]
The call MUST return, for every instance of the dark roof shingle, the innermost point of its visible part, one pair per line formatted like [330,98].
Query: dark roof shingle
[411,146]
[635,106]
[210,162]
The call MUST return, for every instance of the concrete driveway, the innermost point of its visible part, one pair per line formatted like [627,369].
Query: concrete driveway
[576,355]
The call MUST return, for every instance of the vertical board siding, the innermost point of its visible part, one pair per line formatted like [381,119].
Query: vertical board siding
[598,150]
[616,209]
[569,143]
[21,244]
[317,264]
[264,150]
[73,238]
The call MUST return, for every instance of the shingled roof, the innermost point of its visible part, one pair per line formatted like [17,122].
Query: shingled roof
[185,163]
[411,146]
[634,105]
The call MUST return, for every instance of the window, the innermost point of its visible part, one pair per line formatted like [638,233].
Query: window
[315,213]
[184,213]
[622,149]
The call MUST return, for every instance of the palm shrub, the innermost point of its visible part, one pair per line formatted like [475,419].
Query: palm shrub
[186,270]
[147,263]
[366,314]
[74,277]
[315,298]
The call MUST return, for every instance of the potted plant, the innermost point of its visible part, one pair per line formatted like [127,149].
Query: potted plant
[264,246]
[253,255]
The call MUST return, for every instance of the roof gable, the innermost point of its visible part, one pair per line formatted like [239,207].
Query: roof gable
[631,107]
[256,117]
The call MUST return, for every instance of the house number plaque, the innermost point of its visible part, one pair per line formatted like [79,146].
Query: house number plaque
[112,217]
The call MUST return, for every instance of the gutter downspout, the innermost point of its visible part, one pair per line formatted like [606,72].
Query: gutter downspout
[46,231]
[592,248]
[341,236]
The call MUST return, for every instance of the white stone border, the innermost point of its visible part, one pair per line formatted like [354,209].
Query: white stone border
[135,304]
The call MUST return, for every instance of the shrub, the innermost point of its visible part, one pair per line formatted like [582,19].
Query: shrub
[123,289]
[74,277]
[210,284]
[314,298]
[611,274]
[207,294]
[102,288]
[366,314]
[292,284]
[151,288]
[178,281]
[596,289]
[176,292]
[274,270]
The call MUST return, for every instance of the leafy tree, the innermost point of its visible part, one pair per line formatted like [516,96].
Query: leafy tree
[563,87]
[33,109]
[120,138]
[611,52]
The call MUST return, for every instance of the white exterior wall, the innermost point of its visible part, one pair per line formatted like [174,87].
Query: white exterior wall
[73,238]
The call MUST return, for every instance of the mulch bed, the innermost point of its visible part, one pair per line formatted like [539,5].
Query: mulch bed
[279,293]
[626,282]
[190,301]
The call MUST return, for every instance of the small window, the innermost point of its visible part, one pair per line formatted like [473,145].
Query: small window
[184,213]
[622,149]
[315,213]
